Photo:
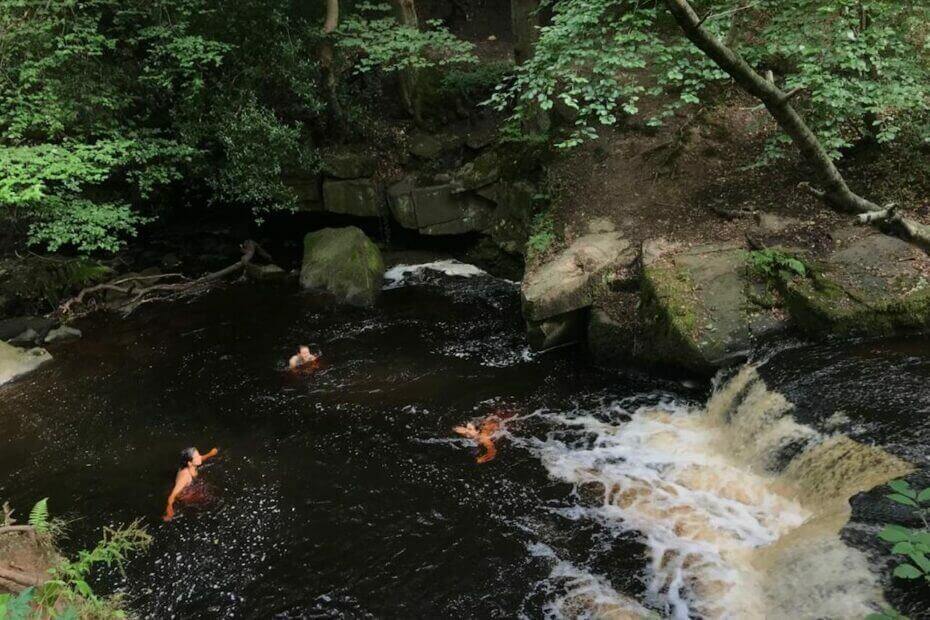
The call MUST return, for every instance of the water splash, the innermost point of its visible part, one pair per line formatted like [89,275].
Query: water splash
[739,505]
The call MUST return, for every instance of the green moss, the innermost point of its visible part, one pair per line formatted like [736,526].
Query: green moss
[669,317]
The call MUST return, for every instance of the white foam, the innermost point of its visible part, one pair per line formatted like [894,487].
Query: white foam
[396,276]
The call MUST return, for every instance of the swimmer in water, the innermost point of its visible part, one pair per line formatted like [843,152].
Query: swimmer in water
[482,436]
[191,459]
[304,357]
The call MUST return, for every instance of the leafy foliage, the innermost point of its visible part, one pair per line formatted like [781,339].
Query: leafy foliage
[771,263]
[38,516]
[380,42]
[912,544]
[542,234]
[863,64]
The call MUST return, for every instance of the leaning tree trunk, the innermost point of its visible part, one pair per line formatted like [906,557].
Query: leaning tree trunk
[524,19]
[406,12]
[834,190]
[327,61]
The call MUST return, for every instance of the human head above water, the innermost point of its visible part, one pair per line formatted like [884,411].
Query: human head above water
[190,456]
[308,352]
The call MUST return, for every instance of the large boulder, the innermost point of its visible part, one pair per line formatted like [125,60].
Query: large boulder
[16,362]
[345,262]
[871,284]
[481,171]
[438,209]
[25,329]
[360,198]
[568,282]
[349,162]
[697,308]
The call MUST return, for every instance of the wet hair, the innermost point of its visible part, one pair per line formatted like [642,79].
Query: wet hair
[187,455]
[315,349]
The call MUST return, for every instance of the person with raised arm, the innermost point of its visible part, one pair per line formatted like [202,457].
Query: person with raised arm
[191,459]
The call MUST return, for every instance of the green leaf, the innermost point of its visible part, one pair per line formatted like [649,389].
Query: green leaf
[38,516]
[906,571]
[894,533]
[924,496]
[902,487]
[901,499]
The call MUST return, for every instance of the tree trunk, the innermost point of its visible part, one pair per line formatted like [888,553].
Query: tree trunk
[330,24]
[525,23]
[834,190]
[406,12]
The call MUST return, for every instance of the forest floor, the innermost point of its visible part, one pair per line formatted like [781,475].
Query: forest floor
[696,180]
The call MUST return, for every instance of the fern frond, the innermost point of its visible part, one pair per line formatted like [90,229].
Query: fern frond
[38,516]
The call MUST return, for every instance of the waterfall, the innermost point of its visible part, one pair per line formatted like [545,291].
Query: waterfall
[740,506]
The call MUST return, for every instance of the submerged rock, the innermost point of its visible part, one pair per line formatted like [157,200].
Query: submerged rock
[63,333]
[26,329]
[696,310]
[345,262]
[875,284]
[16,362]
[262,273]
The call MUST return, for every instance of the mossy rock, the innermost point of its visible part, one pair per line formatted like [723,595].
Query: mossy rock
[344,262]
[16,362]
[349,162]
[697,310]
[875,285]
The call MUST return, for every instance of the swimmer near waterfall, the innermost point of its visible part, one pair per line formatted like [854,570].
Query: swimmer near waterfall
[191,459]
[483,436]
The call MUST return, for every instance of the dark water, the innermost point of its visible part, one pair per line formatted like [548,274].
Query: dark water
[345,494]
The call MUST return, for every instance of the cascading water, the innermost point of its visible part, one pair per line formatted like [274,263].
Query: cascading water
[740,506]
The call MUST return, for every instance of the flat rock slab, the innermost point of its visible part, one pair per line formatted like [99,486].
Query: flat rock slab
[874,284]
[438,209]
[568,282]
[696,310]
[16,362]
[360,198]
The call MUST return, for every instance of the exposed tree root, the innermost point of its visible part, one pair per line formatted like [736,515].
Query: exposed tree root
[132,297]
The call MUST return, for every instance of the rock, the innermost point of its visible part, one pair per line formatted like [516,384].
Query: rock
[481,171]
[771,224]
[432,146]
[309,191]
[556,331]
[170,262]
[696,311]
[26,329]
[62,334]
[874,284]
[437,209]
[509,224]
[600,225]
[345,262]
[359,198]
[349,163]
[568,281]
[16,362]
[610,342]
[263,273]
[478,139]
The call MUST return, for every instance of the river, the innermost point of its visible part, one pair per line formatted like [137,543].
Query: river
[345,493]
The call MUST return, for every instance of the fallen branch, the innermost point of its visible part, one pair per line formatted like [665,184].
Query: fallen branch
[732,214]
[159,291]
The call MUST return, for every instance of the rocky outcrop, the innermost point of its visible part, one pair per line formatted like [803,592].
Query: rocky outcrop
[438,209]
[349,162]
[696,308]
[16,362]
[358,197]
[344,262]
[26,329]
[872,284]
[561,289]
